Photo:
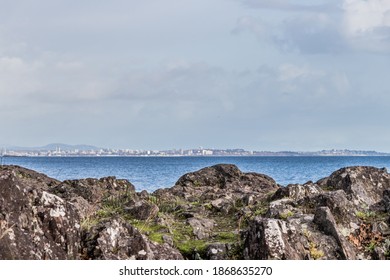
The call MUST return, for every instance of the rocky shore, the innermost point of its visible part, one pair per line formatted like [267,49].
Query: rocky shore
[217,212]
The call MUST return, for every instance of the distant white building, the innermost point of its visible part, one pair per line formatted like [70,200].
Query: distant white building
[207,152]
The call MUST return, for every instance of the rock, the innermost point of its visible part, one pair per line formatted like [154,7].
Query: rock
[35,224]
[215,213]
[222,180]
[202,227]
[266,240]
[88,195]
[217,251]
[297,191]
[168,239]
[223,205]
[386,200]
[327,224]
[362,184]
[118,240]
[141,210]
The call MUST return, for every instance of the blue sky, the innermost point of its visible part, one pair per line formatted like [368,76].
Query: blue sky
[260,75]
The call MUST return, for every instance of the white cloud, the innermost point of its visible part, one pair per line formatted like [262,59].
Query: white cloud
[367,24]
[364,16]
[329,27]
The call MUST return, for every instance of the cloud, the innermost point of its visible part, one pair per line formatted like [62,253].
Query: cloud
[323,27]
[293,6]
[311,34]
[131,73]
[305,28]
[367,24]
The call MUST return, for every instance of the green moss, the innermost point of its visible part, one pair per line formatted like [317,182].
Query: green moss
[371,216]
[306,233]
[260,212]
[106,212]
[261,208]
[226,237]
[118,200]
[371,246]
[238,203]
[153,199]
[363,215]
[187,248]
[170,205]
[269,195]
[197,183]
[154,232]
[208,206]
[88,222]
[327,188]
[314,252]
[286,215]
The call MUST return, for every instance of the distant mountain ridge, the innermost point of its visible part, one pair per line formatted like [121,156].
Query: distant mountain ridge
[333,152]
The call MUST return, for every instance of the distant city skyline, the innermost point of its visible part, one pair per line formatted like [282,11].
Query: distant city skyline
[59,149]
[152,75]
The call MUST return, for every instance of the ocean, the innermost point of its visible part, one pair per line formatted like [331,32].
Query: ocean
[151,173]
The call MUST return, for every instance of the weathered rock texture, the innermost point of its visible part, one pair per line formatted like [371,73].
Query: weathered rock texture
[344,216]
[217,212]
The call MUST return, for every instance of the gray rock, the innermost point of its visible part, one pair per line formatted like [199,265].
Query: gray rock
[118,240]
[35,224]
[202,227]
[217,251]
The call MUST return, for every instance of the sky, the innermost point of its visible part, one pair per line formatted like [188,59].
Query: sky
[255,74]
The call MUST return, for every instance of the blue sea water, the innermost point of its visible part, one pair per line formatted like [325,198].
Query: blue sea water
[151,173]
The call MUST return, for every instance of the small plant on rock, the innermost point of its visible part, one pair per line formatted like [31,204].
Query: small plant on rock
[286,215]
[314,252]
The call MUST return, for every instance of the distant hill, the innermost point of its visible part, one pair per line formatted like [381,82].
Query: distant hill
[55,146]
[333,152]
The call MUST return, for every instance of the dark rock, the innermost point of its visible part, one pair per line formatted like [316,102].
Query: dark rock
[217,212]
[225,177]
[118,240]
[35,224]
[142,210]
[88,195]
[327,224]
[217,251]
[386,200]
[362,184]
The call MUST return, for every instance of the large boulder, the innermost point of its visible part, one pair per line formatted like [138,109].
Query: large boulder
[118,240]
[343,216]
[35,224]
[88,195]
[362,184]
